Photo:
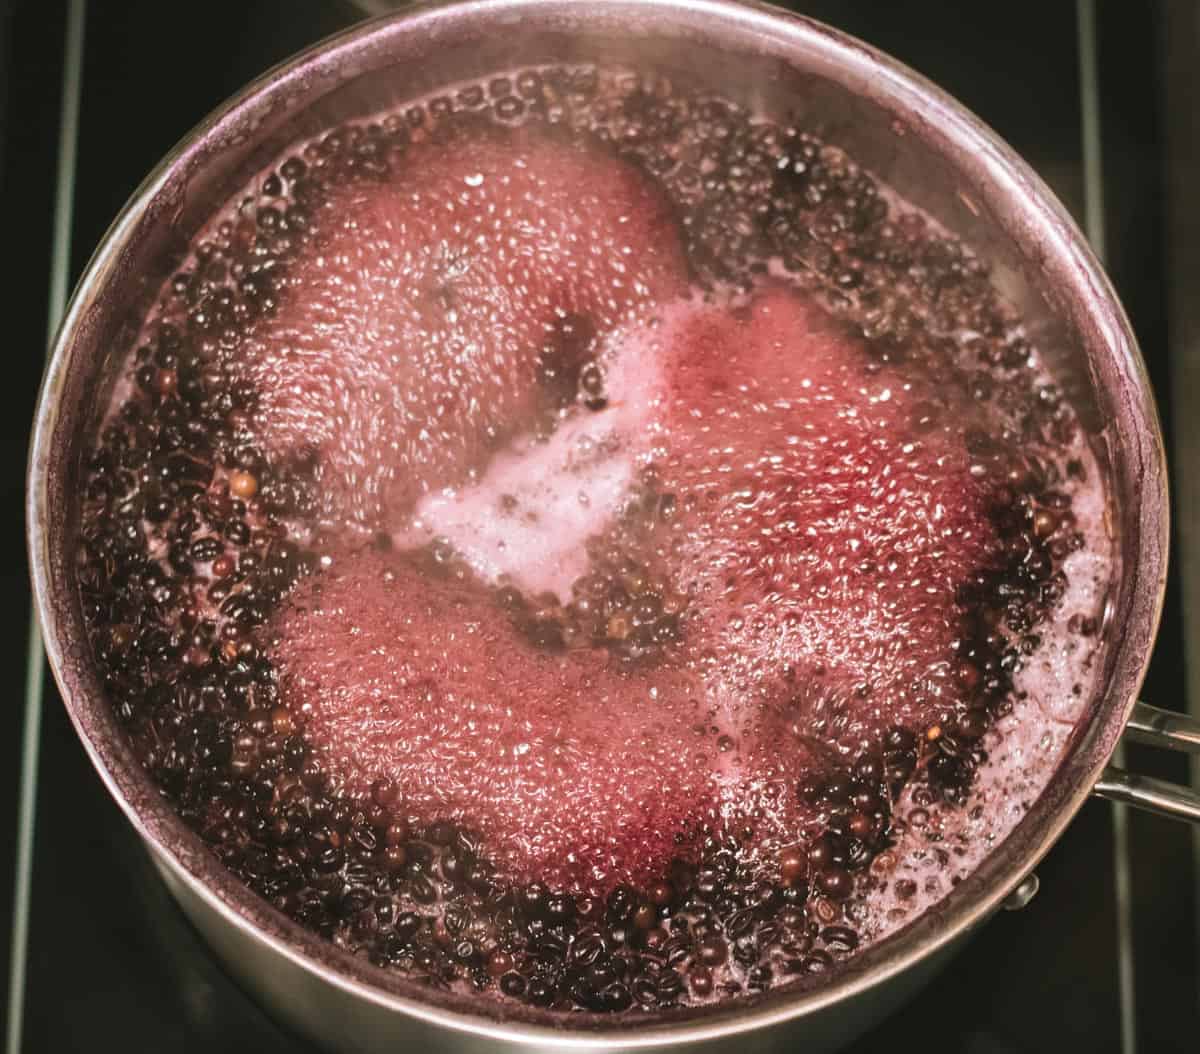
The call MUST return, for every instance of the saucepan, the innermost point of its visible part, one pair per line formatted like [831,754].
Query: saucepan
[912,135]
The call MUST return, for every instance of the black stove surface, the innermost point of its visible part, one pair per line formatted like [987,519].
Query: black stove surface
[104,960]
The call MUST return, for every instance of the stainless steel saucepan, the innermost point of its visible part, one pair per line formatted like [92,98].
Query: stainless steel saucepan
[913,136]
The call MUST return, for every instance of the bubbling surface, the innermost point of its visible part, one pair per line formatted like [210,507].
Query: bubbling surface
[822,527]
[417,322]
[582,541]
[828,519]
[578,773]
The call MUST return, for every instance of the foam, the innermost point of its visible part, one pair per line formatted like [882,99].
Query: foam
[526,520]
[407,343]
[428,684]
[1052,691]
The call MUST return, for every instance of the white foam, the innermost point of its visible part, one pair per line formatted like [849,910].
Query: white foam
[525,521]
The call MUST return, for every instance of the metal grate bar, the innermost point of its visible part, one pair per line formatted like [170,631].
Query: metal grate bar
[1093,208]
[35,663]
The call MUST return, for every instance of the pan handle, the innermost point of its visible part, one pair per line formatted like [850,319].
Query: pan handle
[1157,728]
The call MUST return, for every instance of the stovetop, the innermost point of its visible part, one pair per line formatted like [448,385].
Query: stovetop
[1099,97]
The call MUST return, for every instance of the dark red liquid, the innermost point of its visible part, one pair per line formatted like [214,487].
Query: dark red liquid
[818,540]
[540,555]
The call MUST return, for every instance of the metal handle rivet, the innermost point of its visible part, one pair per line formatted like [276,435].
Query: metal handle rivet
[1025,892]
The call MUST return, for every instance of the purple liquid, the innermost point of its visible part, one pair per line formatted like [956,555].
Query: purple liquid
[516,585]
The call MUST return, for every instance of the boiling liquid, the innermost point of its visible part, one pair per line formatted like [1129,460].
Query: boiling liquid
[601,516]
